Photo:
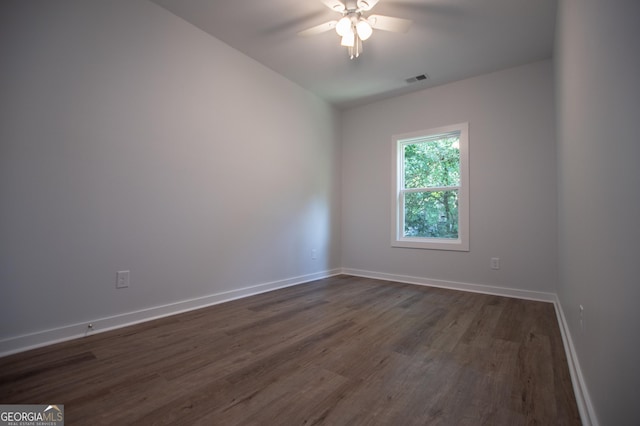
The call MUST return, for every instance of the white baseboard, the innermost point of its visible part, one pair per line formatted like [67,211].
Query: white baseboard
[585,407]
[60,334]
[454,285]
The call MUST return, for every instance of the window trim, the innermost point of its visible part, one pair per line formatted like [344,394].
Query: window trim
[397,204]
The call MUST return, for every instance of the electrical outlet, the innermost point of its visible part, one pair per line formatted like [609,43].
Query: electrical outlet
[314,254]
[122,279]
[495,263]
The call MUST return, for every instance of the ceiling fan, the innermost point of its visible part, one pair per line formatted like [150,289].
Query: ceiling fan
[354,27]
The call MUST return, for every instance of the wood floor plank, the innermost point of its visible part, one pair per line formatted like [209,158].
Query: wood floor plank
[340,351]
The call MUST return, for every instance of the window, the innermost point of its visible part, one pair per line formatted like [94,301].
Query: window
[430,206]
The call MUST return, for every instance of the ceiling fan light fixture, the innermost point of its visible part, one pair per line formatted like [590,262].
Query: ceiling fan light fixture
[348,39]
[354,27]
[344,26]
[364,29]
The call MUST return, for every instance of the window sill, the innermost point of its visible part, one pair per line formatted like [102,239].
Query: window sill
[431,244]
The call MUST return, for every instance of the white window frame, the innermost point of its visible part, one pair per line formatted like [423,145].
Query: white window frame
[397,197]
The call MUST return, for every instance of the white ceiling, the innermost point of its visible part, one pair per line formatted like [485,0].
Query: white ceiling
[449,40]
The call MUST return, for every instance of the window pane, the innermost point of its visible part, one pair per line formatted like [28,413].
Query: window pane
[431,214]
[432,163]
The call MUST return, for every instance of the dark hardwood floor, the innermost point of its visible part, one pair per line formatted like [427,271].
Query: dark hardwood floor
[339,351]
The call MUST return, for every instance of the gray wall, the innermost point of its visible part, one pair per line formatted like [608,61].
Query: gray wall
[512,180]
[132,140]
[598,105]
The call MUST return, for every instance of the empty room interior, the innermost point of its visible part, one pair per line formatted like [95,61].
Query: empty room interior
[321,212]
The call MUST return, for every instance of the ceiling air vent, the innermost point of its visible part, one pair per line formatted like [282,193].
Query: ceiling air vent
[417,78]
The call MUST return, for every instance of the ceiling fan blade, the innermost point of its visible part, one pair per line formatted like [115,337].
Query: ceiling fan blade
[318,29]
[389,23]
[335,5]
[366,4]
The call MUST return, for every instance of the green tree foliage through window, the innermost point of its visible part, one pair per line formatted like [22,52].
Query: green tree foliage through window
[431,175]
